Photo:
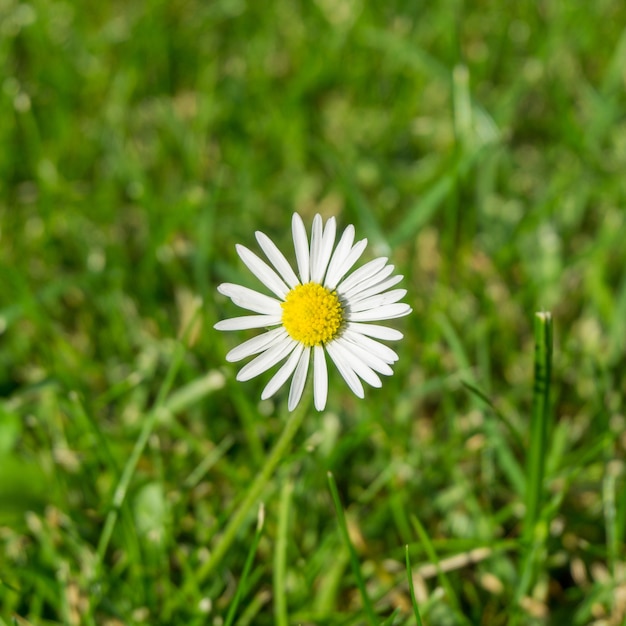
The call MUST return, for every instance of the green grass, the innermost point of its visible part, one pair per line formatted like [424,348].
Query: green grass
[481,146]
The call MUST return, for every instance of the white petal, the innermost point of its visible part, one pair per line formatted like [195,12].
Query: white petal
[299,378]
[319,262]
[351,258]
[277,259]
[387,312]
[301,246]
[278,380]
[385,271]
[375,347]
[248,321]
[374,330]
[250,299]
[372,282]
[316,244]
[320,378]
[255,345]
[359,367]
[360,292]
[367,356]
[339,256]
[262,271]
[267,359]
[362,274]
[345,369]
[377,301]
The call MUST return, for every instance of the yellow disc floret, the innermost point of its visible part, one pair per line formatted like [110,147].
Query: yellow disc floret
[312,314]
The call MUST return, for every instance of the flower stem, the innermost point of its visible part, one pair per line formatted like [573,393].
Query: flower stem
[254,491]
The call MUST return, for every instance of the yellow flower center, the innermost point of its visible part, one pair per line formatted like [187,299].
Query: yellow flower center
[312,314]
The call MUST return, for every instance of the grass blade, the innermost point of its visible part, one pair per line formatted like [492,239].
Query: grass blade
[208,462]
[390,620]
[535,533]
[539,421]
[409,575]
[280,556]
[354,559]
[246,568]
[253,493]
[609,489]
[431,200]
[443,579]
[119,495]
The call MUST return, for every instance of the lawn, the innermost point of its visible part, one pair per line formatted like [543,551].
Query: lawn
[479,146]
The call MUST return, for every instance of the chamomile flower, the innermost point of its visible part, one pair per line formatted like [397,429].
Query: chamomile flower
[318,311]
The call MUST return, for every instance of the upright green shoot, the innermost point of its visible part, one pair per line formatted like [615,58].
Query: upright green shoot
[281,616]
[539,422]
[119,495]
[246,568]
[431,553]
[354,559]
[253,493]
[534,533]
[409,575]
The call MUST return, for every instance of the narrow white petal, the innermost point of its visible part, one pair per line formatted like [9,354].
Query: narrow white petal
[376,331]
[369,284]
[375,347]
[316,245]
[369,358]
[277,259]
[286,370]
[299,378]
[250,299]
[377,301]
[339,256]
[345,369]
[248,321]
[361,275]
[361,293]
[263,271]
[301,246]
[387,312]
[255,345]
[320,378]
[359,367]
[267,359]
[320,263]
[373,281]
[351,258]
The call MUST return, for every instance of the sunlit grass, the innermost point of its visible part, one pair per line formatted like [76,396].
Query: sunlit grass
[480,148]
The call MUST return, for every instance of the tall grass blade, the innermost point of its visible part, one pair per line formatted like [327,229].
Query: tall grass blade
[119,495]
[534,532]
[246,568]
[280,556]
[409,575]
[441,576]
[539,421]
[390,620]
[254,491]
[354,559]
[609,488]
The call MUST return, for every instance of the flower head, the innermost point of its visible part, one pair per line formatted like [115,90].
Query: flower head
[320,311]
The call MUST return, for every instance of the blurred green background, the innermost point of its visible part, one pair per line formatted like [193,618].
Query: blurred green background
[480,145]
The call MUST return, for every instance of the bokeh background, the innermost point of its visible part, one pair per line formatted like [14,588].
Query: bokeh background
[480,145]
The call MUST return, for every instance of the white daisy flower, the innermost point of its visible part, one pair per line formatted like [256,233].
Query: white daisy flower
[317,312]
